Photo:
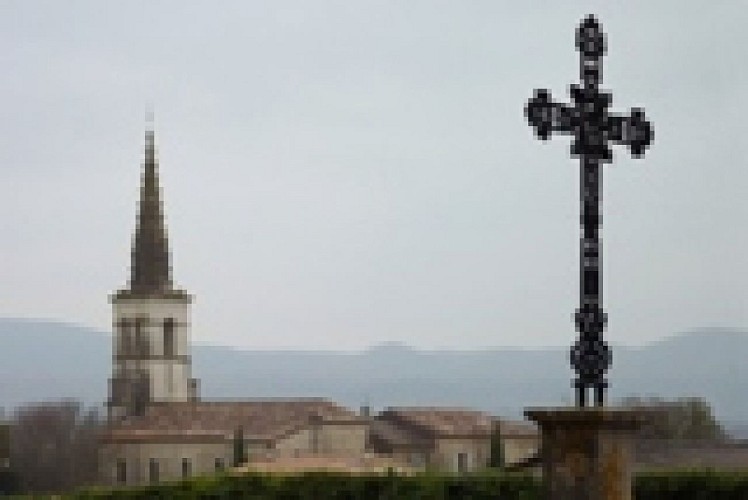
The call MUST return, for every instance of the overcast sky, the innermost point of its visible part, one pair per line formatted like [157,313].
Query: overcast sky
[341,173]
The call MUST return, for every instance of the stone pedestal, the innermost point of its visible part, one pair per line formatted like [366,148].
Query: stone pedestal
[586,452]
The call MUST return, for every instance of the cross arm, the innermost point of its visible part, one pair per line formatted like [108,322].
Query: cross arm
[546,116]
[633,131]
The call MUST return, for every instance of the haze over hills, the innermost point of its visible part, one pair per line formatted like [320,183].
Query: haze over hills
[44,360]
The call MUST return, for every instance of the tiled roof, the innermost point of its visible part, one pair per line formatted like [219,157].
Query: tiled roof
[383,433]
[218,420]
[517,429]
[442,422]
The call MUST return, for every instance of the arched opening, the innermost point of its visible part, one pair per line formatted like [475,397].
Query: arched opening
[169,346]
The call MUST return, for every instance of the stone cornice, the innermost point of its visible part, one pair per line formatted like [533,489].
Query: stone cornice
[184,359]
[175,295]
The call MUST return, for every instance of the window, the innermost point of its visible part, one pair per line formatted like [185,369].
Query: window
[169,337]
[153,470]
[462,462]
[121,471]
[186,467]
[125,338]
[170,378]
[141,338]
[219,464]
[141,392]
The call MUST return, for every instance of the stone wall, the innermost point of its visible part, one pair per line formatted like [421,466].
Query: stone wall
[342,438]
[169,374]
[326,438]
[345,439]
[447,451]
[169,458]
[518,449]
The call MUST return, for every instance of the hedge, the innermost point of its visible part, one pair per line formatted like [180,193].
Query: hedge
[322,485]
[692,484]
[665,485]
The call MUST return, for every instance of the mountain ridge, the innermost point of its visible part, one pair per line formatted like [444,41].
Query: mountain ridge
[498,380]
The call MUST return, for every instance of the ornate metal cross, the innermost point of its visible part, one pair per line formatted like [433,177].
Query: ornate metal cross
[593,129]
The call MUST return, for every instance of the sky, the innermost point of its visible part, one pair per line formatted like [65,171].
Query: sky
[339,174]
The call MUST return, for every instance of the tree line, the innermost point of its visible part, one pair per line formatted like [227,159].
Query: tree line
[52,447]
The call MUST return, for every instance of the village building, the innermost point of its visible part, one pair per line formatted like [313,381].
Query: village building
[159,428]
[181,439]
[454,440]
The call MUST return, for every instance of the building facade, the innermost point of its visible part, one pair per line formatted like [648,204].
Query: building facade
[178,440]
[446,439]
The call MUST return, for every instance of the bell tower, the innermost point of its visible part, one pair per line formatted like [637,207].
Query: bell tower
[151,359]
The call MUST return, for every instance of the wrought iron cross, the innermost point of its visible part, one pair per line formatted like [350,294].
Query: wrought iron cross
[593,129]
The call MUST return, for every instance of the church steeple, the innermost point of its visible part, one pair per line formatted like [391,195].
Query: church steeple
[150,266]
[151,318]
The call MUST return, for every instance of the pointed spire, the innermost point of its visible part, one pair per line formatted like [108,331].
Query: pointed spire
[150,268]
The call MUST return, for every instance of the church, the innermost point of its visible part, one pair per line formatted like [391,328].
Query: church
[159,428]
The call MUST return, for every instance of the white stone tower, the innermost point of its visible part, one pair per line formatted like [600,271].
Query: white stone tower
[151,360]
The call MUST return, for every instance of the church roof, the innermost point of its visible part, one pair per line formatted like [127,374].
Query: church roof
[260,420]
[441,422]
[389,435]
[150,267]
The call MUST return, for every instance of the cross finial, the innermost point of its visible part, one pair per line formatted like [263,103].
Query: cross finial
[149,116]
[590,38]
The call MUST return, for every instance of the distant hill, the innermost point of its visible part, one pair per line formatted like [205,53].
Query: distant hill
[41,360]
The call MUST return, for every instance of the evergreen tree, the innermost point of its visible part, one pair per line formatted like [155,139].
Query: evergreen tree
[240,452]
[496,459]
